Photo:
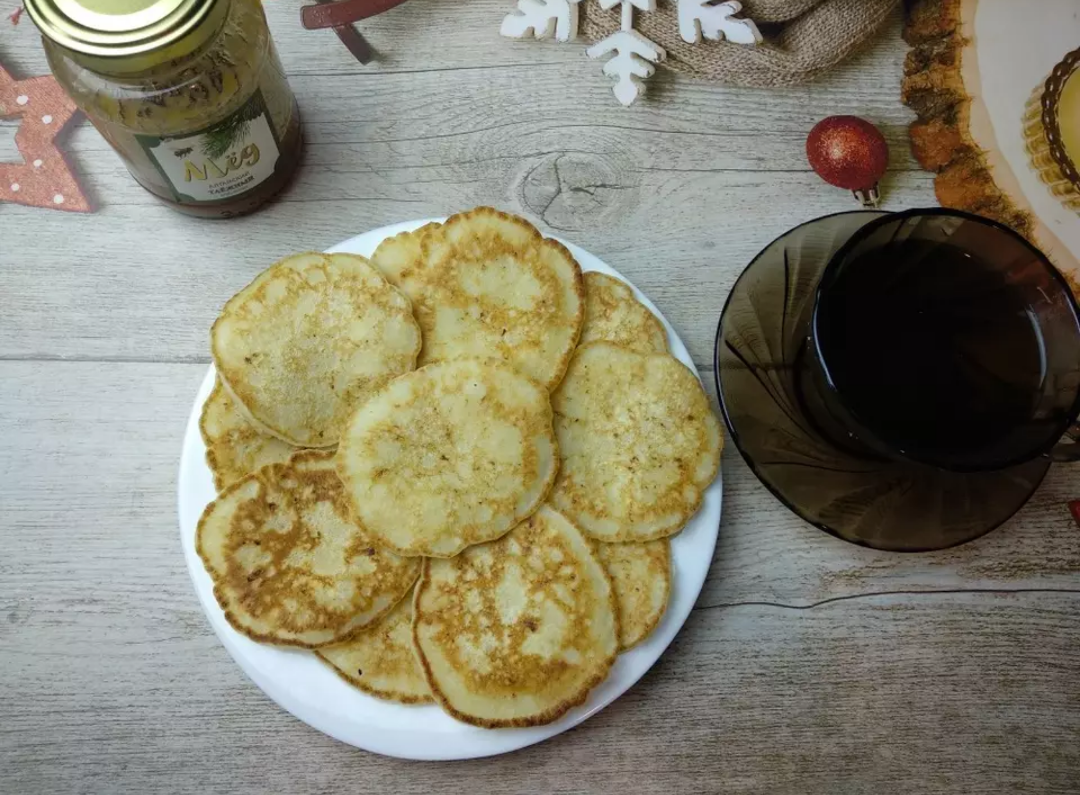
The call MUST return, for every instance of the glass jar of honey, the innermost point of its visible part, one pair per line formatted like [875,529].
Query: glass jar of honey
[190,93]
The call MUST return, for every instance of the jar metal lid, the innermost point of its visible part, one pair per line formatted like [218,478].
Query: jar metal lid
[118,28]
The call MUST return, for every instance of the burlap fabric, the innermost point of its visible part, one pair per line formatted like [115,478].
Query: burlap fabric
[803,38]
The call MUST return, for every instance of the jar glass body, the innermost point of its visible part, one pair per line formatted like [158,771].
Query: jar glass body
[213,131]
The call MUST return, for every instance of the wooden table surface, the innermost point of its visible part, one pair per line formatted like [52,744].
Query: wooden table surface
[808,666]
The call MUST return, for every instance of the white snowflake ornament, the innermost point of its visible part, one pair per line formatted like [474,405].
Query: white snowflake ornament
[542,18]
[641,5]
[634,61]
[699,18]
[635,57]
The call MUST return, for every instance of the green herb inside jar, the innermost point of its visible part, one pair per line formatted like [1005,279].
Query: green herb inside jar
[196,103]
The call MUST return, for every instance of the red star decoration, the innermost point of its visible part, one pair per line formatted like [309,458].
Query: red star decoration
[44,178]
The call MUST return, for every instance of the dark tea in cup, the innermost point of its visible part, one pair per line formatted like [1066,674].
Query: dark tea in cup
[947,340]
[901,380]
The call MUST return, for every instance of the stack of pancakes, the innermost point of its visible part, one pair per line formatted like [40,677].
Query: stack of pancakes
[452,470]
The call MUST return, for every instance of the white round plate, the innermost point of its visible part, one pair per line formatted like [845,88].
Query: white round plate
[311,691]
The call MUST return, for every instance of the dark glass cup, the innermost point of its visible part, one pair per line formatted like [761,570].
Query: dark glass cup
[901,380]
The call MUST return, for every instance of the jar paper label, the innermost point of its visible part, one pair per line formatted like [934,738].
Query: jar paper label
[222,161]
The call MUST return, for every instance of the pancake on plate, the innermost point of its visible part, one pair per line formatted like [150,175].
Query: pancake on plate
[453,454]
[613,314]
[235,447]
[310,339]
[638,440]
[380,659]
[289,564]
[517,632]
[641,576]
[488,284]
[395,256]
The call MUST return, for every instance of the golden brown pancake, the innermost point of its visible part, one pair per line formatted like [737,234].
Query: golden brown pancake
[638,440]
[380,659]
[289,564]
[518,631]
[396,255]
[641,575]
[453,454]
[235,447]
[487,284]
[614,315]
[310,339]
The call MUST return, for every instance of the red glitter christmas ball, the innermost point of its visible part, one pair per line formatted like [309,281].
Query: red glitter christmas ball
[848,152]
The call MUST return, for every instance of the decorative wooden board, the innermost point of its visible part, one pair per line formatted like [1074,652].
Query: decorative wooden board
[974,66]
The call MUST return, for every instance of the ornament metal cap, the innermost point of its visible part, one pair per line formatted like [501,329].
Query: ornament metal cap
[868,197]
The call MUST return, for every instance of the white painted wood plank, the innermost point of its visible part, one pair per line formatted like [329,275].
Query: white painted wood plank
[92,450]
[429,36]
[678,193]
[110,679]
[940,693]
[95,291]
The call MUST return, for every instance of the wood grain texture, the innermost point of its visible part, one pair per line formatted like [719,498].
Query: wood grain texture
[808,666]
[724,169]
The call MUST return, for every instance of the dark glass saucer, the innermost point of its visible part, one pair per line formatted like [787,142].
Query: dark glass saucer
[854,494]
